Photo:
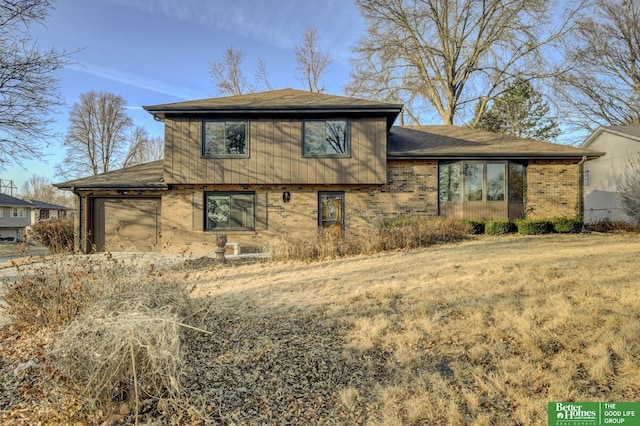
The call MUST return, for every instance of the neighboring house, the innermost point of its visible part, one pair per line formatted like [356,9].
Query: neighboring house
[601,176]
[15,216]
[290,162]
[46,211]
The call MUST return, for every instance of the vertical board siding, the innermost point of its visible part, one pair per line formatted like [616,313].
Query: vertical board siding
[275,155]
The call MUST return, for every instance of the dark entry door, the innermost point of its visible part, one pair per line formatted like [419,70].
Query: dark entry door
[331,213]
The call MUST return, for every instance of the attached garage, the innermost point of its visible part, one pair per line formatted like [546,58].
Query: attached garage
[126,224]
[120,210]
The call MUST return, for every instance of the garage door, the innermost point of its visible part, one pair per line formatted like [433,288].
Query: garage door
[126,224]
[10,235]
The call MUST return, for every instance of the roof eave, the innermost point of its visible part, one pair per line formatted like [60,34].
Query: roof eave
[161,187]
[161,113]
[494,156]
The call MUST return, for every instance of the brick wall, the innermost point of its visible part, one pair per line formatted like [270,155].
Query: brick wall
[552,188]
[411,189]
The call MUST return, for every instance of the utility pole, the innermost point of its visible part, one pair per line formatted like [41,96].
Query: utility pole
[7,186]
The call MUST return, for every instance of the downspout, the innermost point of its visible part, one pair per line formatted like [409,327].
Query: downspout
[581,188]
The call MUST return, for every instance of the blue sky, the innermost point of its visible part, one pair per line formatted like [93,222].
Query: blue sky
[158,51]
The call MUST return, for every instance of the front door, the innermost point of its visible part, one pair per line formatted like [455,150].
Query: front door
[331,213]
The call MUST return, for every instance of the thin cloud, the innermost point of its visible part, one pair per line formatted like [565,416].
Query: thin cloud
[280,24]
[137,81]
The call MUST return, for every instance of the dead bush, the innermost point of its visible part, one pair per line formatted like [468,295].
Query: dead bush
[119,326]
[629,188]
[391,234]
[55,234]
[55,291]
[130,356]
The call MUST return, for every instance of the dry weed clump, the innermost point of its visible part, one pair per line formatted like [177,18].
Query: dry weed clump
[119,325]
[132,356]
[402,233]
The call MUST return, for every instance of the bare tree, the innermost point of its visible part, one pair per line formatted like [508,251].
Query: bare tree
[312,62]
[143,148]
[28,86]
[629,188]
[40,188]
[603,86]
[96,140]
[453,56]
[227,74]
[261,75]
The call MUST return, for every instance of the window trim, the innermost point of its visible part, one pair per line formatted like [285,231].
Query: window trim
[207,194]
[346,154]
[586,178]
[18,212]
[247,138]
[342,220]
[461,199]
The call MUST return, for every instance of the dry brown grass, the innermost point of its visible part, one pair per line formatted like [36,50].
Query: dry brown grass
[484,332]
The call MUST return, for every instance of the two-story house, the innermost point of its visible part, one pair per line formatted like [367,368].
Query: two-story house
[15,217]
[290,162]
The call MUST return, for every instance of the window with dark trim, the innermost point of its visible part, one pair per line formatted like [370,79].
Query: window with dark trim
[223,139]
[326,138]
[229,210]
[481,181]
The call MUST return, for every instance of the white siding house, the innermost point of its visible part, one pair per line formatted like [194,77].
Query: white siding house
[621,144]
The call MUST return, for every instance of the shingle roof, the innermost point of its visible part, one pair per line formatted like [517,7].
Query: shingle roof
[283,101]
[459,142]
[43,205]
[143,176]
[631,132]
[8,200]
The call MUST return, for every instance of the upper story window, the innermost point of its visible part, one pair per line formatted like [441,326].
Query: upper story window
[18,212]
[225,139]
[326,138]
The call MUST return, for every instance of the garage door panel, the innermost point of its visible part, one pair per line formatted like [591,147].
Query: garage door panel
[127,224]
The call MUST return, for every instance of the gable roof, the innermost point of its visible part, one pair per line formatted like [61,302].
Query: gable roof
[283,101]
[9,201]
[629,132]
[143,176]
[465,142]
[42,205]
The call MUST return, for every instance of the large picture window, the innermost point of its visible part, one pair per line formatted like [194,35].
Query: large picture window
[478,181]
[326,138]
[225,139]
[230,210]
